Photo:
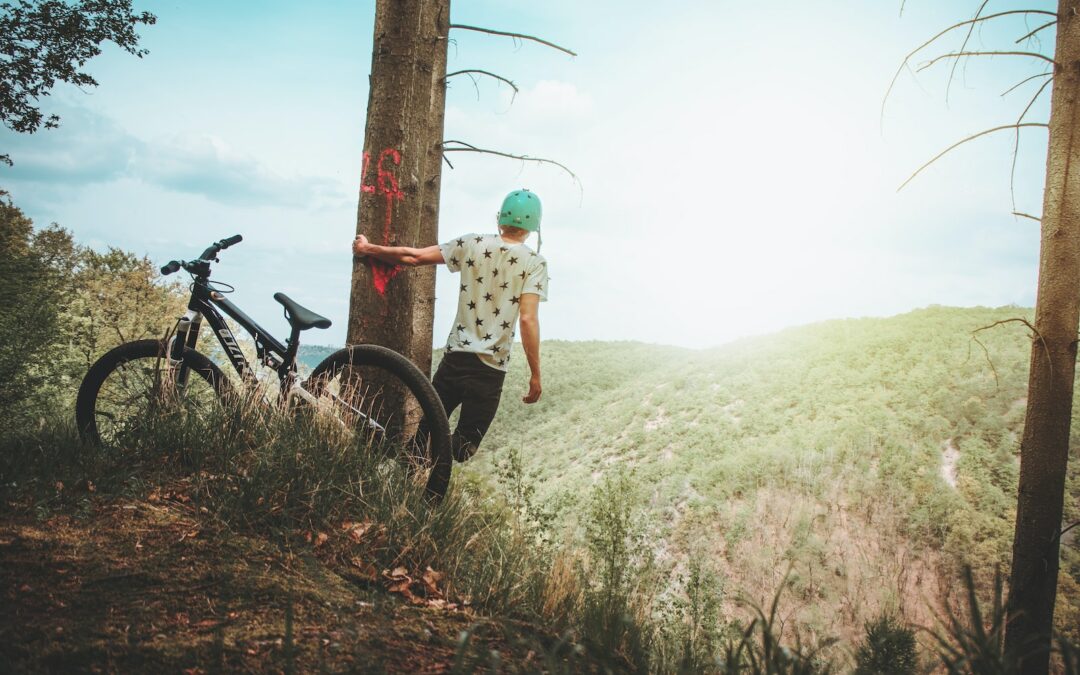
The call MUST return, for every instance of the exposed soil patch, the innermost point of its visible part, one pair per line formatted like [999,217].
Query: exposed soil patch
[139,587]
[949,457]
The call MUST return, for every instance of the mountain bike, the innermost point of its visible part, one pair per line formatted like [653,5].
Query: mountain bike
[372,390]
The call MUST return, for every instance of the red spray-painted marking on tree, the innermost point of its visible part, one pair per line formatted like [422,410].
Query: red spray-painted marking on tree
[385,183]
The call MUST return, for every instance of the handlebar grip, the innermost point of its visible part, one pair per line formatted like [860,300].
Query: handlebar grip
[229,241]
[172,266]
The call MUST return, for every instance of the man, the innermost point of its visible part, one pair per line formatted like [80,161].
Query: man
[503,282]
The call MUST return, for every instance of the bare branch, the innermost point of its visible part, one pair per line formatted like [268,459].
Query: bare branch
[447,160]
[470,71]
[934,39]
[963,47]
[965,140]
[1027,215]
[1032,33]
[1032,328]
[1025,81]
[986,353]
[468,147]
[513,35]
[958,55]
[1016,144]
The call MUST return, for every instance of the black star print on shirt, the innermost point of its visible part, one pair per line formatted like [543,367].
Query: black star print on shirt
[495,350]
[487,254]
[502,362]
[461,328]
[453,261]
[464,288]
[516,299]
[539,287]
[465,343]
[479,321]
[470,262]
[503,249]
[479,280]
[479,239]
[513,260]
[498,311]
[505,325]
[522,275]
[504,285]
[495,273]
[472,305]
[487,336]
[487,296]
[460,242]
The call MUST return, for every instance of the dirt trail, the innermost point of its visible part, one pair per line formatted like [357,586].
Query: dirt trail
[949,458]
[137,587]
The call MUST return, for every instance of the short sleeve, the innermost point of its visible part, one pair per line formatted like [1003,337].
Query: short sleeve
[454,252]
[536,280]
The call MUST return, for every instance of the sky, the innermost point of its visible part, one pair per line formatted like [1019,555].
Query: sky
[737,171]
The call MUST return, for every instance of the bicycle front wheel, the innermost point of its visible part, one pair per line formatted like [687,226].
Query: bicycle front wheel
[132,385]
[383,396]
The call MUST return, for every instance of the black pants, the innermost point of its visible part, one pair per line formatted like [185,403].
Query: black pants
[463,379]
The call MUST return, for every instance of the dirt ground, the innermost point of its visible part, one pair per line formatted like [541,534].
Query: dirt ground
[122,586]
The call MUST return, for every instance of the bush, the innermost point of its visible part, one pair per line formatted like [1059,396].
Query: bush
[888,649]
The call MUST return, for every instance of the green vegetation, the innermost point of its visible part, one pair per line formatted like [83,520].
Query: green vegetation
[801,502]
[872,457]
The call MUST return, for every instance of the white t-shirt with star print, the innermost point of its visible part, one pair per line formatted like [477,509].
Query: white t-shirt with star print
[494,276]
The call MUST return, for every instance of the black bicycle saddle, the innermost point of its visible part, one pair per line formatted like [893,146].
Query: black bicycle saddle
[300,317]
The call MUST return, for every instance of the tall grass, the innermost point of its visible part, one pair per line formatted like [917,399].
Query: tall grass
[598,600]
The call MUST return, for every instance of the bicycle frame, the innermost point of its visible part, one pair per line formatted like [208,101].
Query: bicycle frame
[205,302]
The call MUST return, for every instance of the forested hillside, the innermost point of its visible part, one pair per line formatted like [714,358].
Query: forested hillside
[871,457]
[629,521]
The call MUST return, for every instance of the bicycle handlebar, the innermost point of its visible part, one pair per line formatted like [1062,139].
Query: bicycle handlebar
[209,254]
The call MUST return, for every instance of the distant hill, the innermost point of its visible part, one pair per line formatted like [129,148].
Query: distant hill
[871,456]
[310,356]
[867,459]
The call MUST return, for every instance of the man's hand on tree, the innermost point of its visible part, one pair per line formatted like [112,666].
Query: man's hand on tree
[359,246]
[534,390]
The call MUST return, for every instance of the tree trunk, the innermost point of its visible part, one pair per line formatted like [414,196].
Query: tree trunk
[402,168]
[1044,451]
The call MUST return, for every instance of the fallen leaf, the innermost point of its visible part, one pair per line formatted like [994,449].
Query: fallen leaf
[320,539]
[367,570]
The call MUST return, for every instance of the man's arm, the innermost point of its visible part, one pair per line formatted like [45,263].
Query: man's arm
[530,340]
[398,255]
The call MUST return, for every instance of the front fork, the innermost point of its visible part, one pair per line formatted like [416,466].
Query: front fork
[186,335]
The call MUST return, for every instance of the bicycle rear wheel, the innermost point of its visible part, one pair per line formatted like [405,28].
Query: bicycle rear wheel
[134,384]
[383,396]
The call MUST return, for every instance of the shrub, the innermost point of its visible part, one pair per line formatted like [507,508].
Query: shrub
[888,649]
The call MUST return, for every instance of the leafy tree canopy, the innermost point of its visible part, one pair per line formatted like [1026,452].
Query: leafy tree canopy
[43,41]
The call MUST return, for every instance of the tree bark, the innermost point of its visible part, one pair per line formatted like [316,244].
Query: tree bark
[402,169]
[1044,450]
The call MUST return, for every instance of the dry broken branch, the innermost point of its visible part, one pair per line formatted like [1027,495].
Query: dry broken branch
[1016,144]
[1027,215]
[1032,328]
[934,39]
[965,140]
[471,71]
[468,147]
[519,36]
[1025,81]
[1032,33]
[957,55]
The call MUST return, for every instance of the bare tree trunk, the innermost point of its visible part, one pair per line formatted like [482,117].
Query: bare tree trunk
[1045,447]
[402,168]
